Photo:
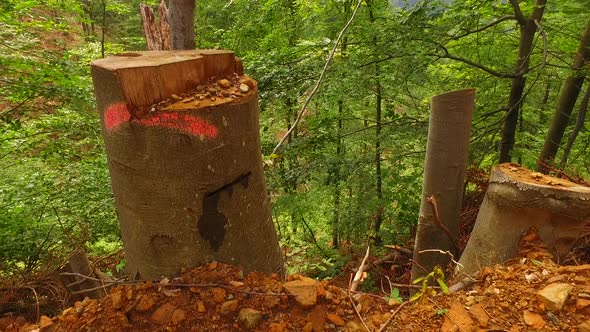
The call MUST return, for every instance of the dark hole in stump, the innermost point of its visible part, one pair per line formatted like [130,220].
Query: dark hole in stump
[212,223]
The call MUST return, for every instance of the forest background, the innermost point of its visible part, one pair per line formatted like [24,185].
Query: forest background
[350,173]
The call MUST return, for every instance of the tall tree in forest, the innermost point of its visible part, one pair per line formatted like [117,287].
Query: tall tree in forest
[528,28]
[567,100]
[577,127]
[181,16]
[378,216]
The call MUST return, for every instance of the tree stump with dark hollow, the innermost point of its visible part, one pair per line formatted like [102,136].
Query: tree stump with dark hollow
[517,199]
[182,140]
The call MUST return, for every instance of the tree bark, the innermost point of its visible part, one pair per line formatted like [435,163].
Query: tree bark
[528,28]
[517,199]
[567,100]
[578,126]
[187,179]
[181,16]
[444,173]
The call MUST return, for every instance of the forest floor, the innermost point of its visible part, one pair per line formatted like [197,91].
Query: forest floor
[528,293]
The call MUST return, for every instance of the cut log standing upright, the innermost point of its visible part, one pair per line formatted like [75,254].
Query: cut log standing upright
[187,178]
[444,173]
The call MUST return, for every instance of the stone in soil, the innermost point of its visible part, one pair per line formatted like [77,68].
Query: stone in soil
[555,295]
[201,307]
[304,290]
[582,303]
[163,314]
[117,298]
[145,303]
[178,316]
[229,307]
[45,322]
[479,314]
[336,319]
[317,319]
[218,294]
[457,317]
[533,320]
[250,318]
[584,326]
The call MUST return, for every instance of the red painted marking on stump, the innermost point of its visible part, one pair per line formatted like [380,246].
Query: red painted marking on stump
[117,114]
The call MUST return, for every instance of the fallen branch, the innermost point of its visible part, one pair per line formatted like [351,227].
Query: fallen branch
[462,284]
[359,273]
[401,249]
[392,315]
[444,253]
[354,306]
[432,201]
[132,282]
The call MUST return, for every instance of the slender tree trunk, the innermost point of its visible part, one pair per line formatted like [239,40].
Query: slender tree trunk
[104,28]
[87,10]
[520,130]
[291,160]
[181,17]
[543,106]
[378,217]
[336,179]
[567,100]
[528,28]
[292,179]
[378,174]
[579,125]
[444,173]
[339,150]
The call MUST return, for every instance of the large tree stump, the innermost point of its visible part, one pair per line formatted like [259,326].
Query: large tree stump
[517,199]
[186,173]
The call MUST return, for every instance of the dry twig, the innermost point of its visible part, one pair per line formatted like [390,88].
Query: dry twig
[36,301]
[355,309]
[392,315]
[132,282]
[359,273]
[444,253]
[432,201]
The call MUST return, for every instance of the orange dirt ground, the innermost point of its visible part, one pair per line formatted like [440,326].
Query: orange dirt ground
[219,297]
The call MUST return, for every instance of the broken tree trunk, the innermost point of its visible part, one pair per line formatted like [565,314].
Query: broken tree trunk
[87,281]
[517,199]
[157,34]
[444,173]
[186,173]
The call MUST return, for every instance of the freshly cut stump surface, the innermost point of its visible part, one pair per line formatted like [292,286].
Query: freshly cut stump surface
[516,200]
